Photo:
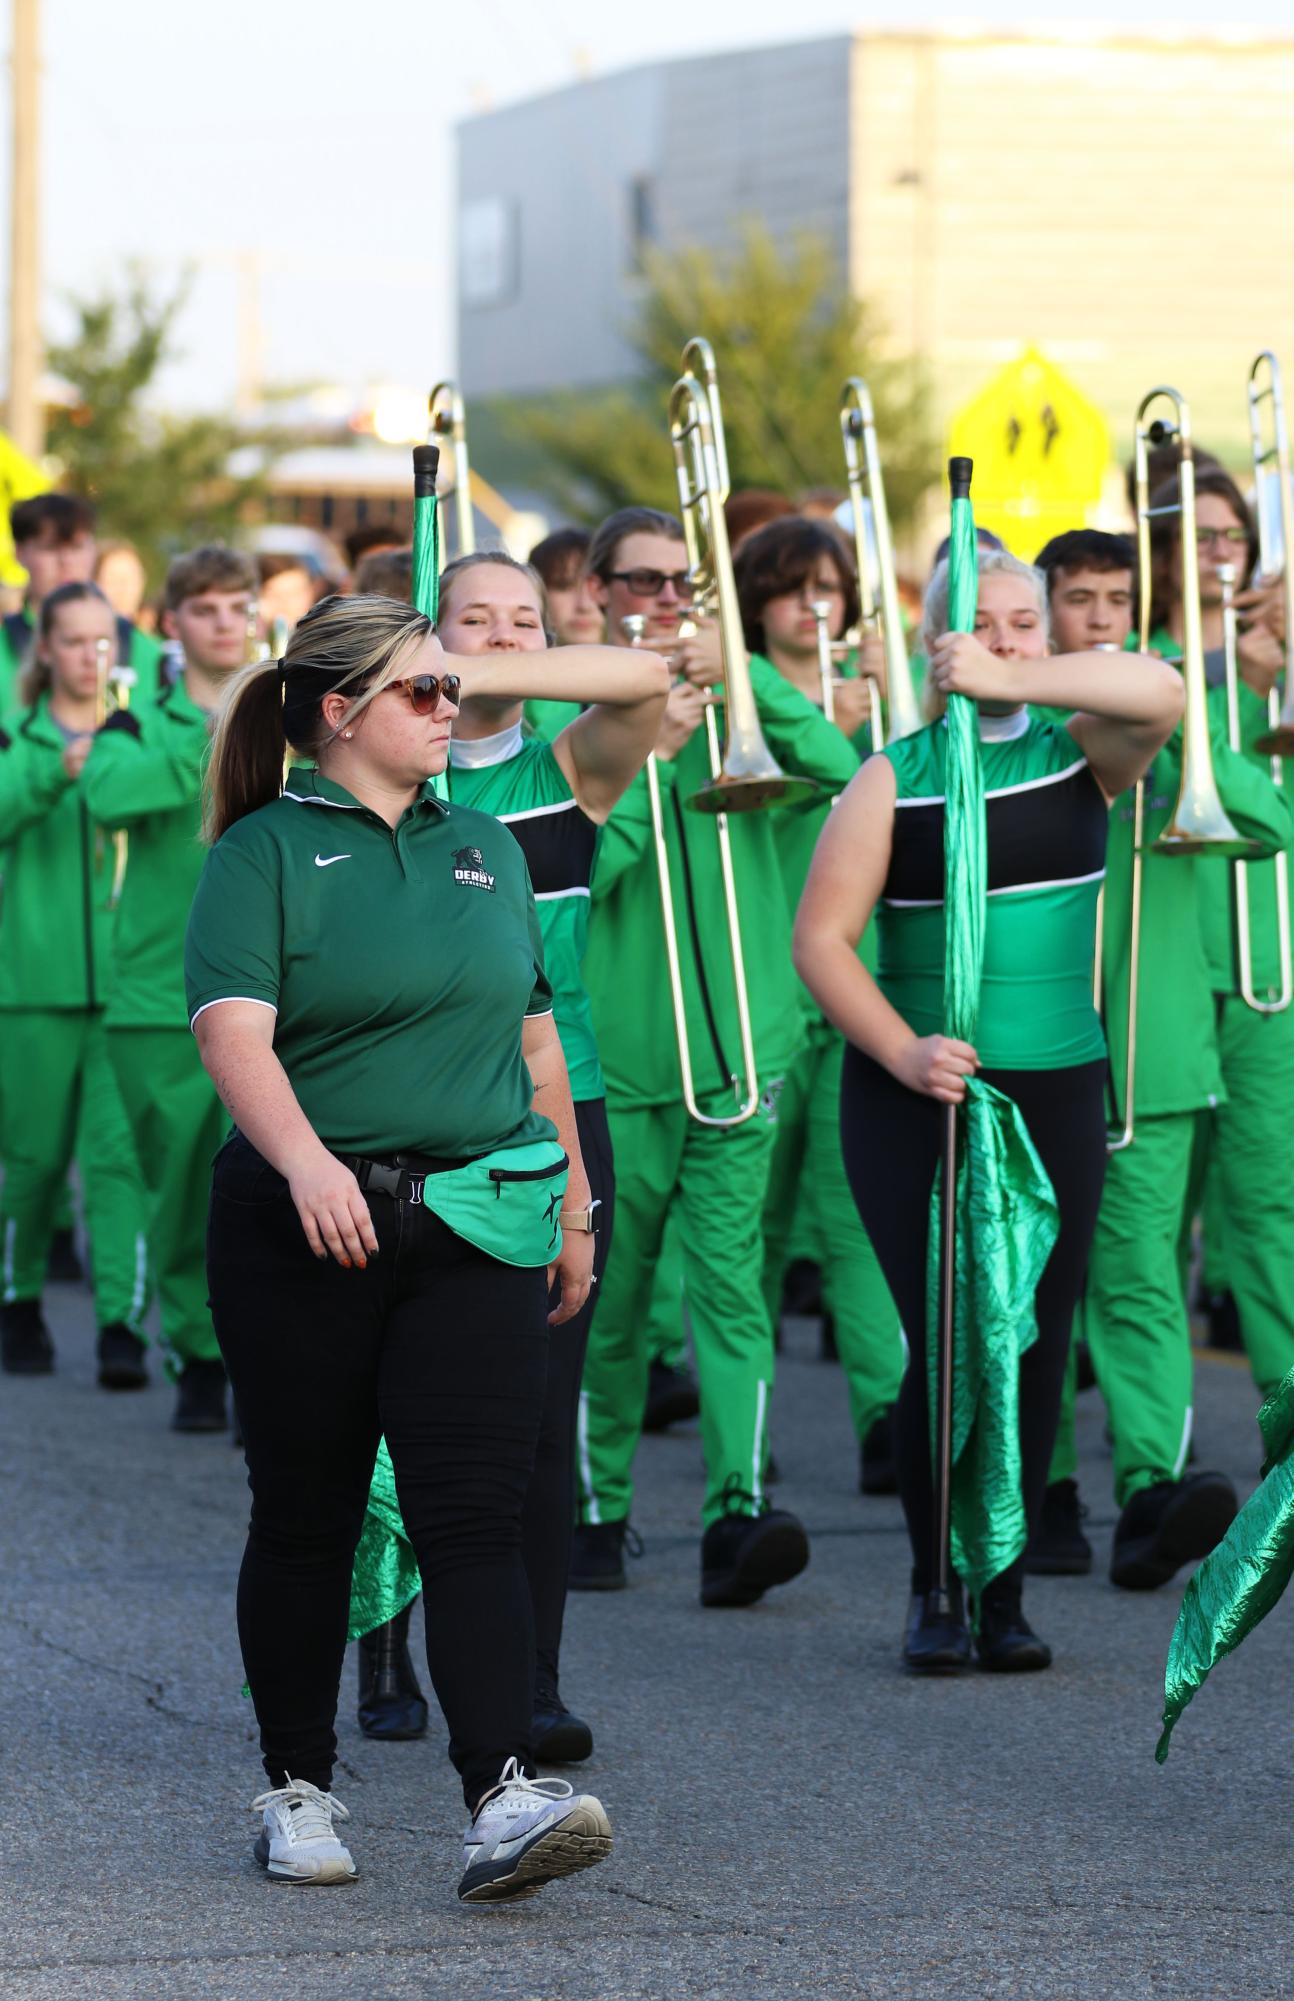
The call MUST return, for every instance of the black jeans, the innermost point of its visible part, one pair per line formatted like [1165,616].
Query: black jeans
[892,1139]
[548,1520]
[445,1350]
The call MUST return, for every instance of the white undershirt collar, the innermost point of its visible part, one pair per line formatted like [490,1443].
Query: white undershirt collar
[1001,729]
[466,753]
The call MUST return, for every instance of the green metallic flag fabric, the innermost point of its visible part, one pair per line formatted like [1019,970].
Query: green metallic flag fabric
[1238,1583]
[385,1577]
[1006,1215]
[426,556]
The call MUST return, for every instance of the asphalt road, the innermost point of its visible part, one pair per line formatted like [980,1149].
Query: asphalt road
[792,1816]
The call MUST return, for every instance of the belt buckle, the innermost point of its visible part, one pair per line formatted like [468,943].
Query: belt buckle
[383,1180]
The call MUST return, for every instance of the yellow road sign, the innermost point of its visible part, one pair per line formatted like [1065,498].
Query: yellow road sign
[1041,451]
[20,478]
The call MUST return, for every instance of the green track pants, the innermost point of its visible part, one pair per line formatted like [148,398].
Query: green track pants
[1134,1308]
[1244,1173]
[178,1124]
[807,1156]
[714,1184]
[667,1335]
[60,1099]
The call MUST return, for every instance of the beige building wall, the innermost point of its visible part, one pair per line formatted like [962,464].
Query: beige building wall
[1127,205]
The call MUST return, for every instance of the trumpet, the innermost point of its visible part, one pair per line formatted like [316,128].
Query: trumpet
[447,421]
[114,682]
[1275,528]
[828,648]
[1240,871]
[879,599]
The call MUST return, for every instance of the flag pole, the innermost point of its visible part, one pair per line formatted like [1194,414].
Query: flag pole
[959,479]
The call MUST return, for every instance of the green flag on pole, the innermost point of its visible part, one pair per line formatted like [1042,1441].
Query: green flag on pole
[426,552]
[1238,1583]
[1002,1220]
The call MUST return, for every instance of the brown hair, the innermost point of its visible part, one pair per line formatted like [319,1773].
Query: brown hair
[37,679]
[609,534]
[213,567]
[349,644]
[385,573]
[560,557]
[776,559]
[64,515]
[451,573]
[752,508]
[1166,534]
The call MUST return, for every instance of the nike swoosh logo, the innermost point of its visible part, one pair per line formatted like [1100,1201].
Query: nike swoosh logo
[326,861]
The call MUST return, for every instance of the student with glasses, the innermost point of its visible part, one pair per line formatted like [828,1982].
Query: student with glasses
[1245,1142]
[366,985]
[711,1181]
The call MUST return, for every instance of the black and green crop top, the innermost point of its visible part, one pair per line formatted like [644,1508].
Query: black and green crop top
[1046,820]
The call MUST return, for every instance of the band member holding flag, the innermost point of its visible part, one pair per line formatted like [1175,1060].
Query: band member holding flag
[984,1005]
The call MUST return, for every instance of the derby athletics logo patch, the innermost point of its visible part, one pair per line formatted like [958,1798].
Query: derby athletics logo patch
[470,869]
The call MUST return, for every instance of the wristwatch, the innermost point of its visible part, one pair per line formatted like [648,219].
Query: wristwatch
[579,1219]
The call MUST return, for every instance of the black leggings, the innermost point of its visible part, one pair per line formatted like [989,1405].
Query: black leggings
[548,1519]
[445,1350]
[892,1139]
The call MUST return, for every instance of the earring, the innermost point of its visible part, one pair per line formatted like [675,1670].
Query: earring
[348,734]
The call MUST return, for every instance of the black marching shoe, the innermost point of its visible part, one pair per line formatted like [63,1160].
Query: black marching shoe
[200,1398]
[672,1397]
[743,1556]
[936,1639]
[1006,1643]
[877,1473]
[26,1344]
[598,1556]
[1223,1318]
[391,1704]
[62,1265]
[1058,1547]
[557,1737]
[121,1358]
[1167,1525]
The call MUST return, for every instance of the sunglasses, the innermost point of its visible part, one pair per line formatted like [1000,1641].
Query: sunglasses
[425,690]
[650,583]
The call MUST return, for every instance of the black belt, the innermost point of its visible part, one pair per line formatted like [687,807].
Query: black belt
[401,1174]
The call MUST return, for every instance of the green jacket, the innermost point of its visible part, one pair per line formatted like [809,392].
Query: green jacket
[1218,890]
[144,656]
[144,775]
[55,924]
[625,966]
[1178,1066]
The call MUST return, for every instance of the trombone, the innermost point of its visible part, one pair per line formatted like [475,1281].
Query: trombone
[447,422]
[827,651]
[879,600]
[112,692]
[1240,870]
[1199,823]
[746,777]
[1275,530]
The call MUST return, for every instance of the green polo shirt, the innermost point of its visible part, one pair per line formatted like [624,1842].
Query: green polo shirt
[144,777]
[400,963]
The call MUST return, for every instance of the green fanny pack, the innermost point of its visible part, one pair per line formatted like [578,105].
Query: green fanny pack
[507,1202]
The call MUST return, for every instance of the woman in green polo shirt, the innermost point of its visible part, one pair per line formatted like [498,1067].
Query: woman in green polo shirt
[365,980]
[58,1093]
[1047,789]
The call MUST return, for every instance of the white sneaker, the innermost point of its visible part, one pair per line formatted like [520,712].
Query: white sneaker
[297,1844]
[526,1832]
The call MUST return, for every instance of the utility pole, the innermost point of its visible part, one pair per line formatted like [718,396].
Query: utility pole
[26,418]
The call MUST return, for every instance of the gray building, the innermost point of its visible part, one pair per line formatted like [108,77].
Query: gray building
[558,197]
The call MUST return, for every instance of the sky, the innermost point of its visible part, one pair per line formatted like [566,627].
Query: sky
[315,143]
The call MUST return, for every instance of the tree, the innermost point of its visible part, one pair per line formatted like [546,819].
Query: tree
[161,481]
[786,333]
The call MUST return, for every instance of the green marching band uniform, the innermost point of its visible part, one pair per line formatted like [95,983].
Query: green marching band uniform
[144,777]
[1248,1142]
[714,1180]
[1134,1311]
[807,1161]
[57,1089]
[135,649]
